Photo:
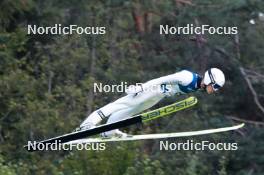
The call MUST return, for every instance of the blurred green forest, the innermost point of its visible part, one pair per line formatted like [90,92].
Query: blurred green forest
[46,83]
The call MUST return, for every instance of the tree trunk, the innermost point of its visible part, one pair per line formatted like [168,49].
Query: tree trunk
[138,18]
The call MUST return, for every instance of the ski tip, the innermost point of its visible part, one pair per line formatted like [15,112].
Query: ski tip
[192,100]
[241,125]
[192,97]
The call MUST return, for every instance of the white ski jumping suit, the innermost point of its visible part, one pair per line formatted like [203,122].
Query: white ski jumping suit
[144,97]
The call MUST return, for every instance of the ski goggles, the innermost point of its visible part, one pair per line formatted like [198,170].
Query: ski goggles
[216,87]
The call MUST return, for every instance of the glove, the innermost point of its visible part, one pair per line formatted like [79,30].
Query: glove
[132,89]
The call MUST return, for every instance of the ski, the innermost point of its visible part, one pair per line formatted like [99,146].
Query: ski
[141,118]
[156,136]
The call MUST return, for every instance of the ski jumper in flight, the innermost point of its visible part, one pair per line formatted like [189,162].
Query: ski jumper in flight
[144,96]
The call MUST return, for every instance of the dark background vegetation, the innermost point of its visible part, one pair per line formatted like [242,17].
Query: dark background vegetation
[46,83]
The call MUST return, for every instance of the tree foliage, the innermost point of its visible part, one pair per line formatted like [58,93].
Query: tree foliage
[46,82]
